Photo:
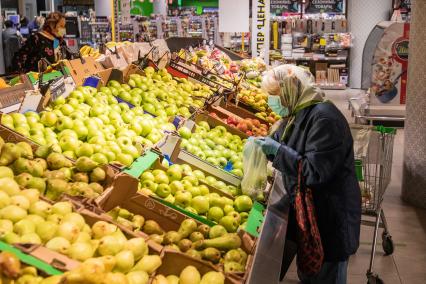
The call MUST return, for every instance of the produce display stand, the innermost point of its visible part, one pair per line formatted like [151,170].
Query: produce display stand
[30,260]
[262,237]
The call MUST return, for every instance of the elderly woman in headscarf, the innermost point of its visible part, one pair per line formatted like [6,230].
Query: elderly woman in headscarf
[314,132]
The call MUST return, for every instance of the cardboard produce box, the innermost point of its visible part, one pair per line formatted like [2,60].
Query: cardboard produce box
[174,262]
[11,96]
[171,148]
[80,69]
[224,109]
[114,182]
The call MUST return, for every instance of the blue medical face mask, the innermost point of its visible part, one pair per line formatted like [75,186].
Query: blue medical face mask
[274,103]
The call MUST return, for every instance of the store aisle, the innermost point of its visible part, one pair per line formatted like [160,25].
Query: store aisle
[407,226]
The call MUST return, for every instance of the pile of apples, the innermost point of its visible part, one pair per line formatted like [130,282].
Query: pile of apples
[160,94]
[49,173]
[257,99]
[91,124]
[251,127]
[217,146]
[199,241]
[186,189]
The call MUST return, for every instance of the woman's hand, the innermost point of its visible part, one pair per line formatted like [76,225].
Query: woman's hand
[269,145]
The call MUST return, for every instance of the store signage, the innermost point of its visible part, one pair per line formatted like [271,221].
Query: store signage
[325,6]
[279,7]
[400,50]
[260,29]
[125,12]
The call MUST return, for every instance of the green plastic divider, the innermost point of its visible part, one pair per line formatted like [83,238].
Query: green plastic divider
[255,219]
[187,213]
[30,260]
[358,170]
[385,130]
[15,80]
[141,164]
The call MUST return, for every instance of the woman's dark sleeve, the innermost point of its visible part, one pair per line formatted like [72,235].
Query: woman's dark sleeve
[324,154]
[29,51]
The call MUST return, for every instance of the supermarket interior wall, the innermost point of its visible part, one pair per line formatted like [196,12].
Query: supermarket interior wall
[363,15]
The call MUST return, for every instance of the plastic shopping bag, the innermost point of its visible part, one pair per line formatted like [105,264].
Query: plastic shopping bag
[255,165]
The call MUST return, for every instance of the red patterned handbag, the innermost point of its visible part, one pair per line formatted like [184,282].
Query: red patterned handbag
[310,254]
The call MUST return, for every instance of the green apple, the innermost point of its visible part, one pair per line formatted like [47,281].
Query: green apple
[64,122]
[229,223]
[161,178]
[185,132]
[48,118]
[124,159]
[183,198]
[149,184]
[200,204]
[243,203]
[176,186]
[204,190]
[195,191]
[215,214]
[69,143]
[147,176]
[163,190]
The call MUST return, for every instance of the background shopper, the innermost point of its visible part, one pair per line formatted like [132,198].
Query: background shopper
[48,43]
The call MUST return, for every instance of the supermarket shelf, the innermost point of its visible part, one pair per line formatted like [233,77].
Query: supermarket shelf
[315,58]
[332,86]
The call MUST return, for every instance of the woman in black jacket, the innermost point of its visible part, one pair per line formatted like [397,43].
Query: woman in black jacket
[48,43]
[316,133]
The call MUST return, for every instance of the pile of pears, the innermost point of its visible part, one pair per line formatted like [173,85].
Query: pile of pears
[49,172]
[213,244]
[13,271]
[191,275]
[24,218]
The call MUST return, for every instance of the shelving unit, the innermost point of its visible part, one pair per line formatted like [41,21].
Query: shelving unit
[319,41]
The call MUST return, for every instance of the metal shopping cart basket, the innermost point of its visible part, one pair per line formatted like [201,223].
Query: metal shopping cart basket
[373,148]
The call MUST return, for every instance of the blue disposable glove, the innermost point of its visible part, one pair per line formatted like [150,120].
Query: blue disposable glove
[269,145]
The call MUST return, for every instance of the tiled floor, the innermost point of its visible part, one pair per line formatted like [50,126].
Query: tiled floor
[407,226]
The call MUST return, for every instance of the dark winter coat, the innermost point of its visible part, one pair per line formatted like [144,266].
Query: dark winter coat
[322,139]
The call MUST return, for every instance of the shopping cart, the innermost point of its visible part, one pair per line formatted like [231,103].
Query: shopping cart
[373,161]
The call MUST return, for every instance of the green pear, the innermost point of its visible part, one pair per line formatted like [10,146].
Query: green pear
[85,164]
[6,172]
[41,162]
[189,275]
[26,150]
[42,152]
[10,152]
[37,183]
[213,277]
[82,177]
[97,175]
[148,263]
[124,261]
[137,277]
[138,247]
[55,187]
[9,186]
[55,161]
